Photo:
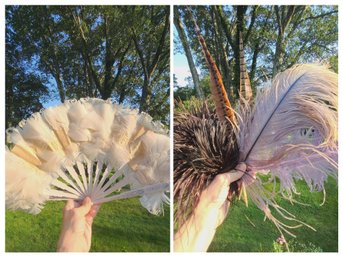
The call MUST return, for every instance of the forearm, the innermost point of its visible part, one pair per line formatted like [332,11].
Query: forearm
[71,241]
[66,242]
[197,233]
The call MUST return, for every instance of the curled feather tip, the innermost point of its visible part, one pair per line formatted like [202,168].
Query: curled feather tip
[294,122]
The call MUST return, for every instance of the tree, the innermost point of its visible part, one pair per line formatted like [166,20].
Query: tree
[118,52]
[275,38]
[25,90]
[187,50]
[152,48]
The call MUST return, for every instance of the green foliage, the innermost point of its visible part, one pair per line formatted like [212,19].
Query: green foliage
[333,62]
[89,51]
[188,92]
[246,231]
[24,88]
[184,93]
[309,35]
[120,226]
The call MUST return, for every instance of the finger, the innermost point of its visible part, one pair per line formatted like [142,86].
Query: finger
[70,204]
[241,167]
[96,208]
[237,172]
[92,213]
[233,176]
[85,206]
[89,219]
[216,192]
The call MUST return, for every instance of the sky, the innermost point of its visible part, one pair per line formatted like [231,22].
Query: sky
[181,69]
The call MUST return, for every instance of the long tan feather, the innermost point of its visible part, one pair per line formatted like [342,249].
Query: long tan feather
[223,107]
[244,80]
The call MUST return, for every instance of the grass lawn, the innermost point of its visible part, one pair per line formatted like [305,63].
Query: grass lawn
[237,234]
[120,226]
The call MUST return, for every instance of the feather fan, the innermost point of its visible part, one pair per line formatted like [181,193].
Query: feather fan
[85,148]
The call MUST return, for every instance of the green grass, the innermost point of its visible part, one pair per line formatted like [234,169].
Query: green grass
[237,234]
[120,226]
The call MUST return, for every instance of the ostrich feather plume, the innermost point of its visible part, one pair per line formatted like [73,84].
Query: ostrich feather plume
[291,133]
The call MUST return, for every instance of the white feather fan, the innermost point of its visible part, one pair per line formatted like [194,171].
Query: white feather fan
[85,148]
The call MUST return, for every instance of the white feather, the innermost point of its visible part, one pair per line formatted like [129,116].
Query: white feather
[292,134]
[27,187]
[303,97]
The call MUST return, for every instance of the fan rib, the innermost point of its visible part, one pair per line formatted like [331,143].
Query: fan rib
[138,192]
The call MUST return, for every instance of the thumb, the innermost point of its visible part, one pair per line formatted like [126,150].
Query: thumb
[85,206]
[237,172]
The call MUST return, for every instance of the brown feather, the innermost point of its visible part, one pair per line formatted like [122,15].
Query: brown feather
[223,107]
[204,146]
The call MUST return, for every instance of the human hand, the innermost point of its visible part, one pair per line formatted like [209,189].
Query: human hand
[197,233]
[76,233]
[213,205]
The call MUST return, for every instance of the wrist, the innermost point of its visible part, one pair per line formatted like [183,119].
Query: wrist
[68,241]
[206,218]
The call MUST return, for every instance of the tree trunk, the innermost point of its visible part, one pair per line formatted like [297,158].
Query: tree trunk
[60,88]
[254,61]
[149,62]
[223,53]
[9,105]
[284,15]
[278,57]
[186,48]
[145,98]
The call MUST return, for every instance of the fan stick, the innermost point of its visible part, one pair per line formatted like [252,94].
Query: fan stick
[137,192]
[68,180]
[114,177]
[97,173]
[98,187]
[62,137]
[65,187]
[56,195]
[81,170]
[90,175]
[125,181]
[75,176]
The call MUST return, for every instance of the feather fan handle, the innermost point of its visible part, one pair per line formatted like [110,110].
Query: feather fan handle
[222,103]
[244,81]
